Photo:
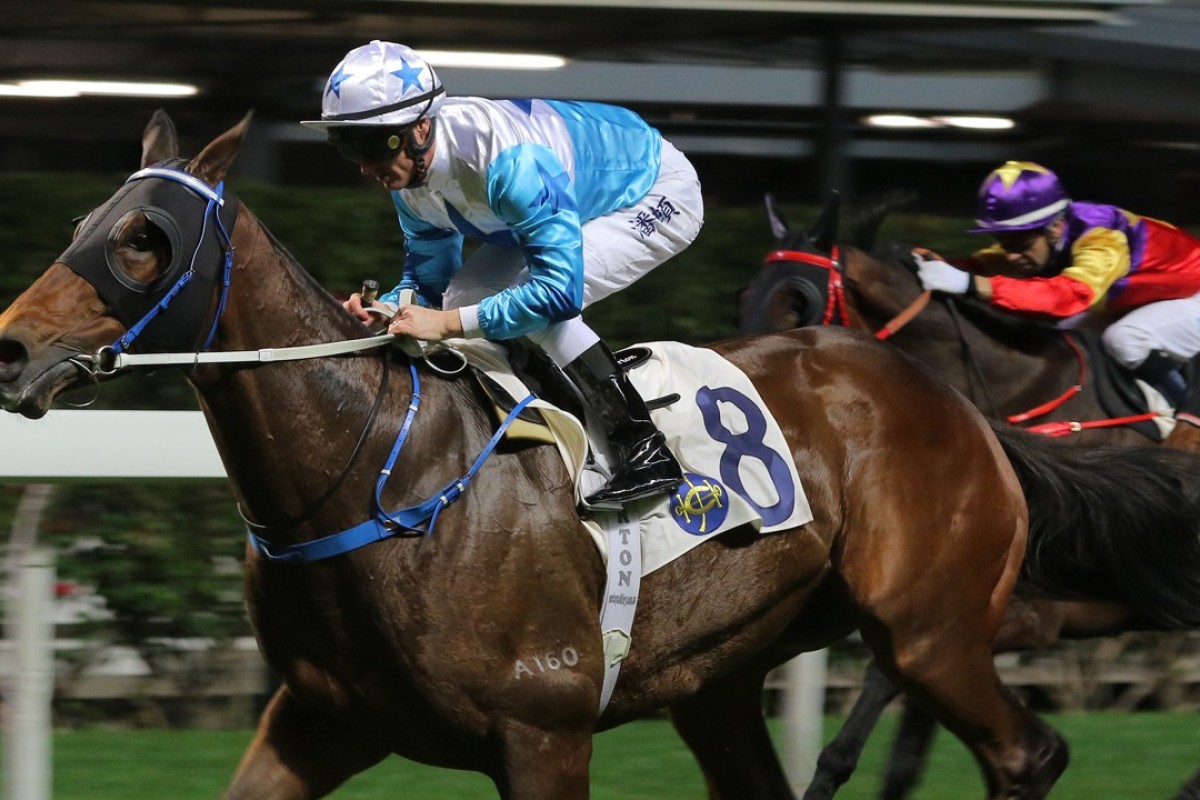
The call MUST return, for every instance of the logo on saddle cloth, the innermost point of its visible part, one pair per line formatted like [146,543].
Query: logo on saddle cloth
[699,505]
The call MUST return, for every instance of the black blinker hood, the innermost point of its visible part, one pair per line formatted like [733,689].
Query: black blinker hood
[196,244]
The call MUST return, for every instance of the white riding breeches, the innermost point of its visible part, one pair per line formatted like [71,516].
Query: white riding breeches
[1172,326]
[618,248]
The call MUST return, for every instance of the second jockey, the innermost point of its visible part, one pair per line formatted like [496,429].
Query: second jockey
[1055,258]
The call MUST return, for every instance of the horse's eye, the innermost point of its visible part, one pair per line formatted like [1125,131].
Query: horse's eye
[141,241]
[141,247]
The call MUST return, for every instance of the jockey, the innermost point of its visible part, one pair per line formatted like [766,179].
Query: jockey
[569,201]
[1055,258]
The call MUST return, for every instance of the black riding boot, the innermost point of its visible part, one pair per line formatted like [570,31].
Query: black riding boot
[644,465]
[1164,374]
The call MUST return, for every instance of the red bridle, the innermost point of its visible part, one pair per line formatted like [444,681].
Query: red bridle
[836,304]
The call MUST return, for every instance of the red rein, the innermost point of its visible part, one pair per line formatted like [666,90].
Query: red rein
[835,313]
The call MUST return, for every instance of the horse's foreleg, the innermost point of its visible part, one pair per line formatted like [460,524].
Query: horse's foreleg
[542,764]
[724,727]
[300,753]
[839,759]
[910,749]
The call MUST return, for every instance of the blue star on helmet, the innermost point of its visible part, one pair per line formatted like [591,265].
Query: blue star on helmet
[336,80]
[409,74]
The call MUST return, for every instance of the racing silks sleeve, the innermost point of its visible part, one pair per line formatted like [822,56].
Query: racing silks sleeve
[432,256]
[530,190]
[1099,257]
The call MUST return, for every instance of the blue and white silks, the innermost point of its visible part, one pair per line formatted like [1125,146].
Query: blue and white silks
[525,174]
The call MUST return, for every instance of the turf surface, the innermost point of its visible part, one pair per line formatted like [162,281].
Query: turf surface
[1144,756]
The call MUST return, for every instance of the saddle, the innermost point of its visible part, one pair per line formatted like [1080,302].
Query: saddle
[1116,387]
[547,382]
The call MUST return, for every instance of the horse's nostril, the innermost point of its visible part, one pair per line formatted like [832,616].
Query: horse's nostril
[12,358]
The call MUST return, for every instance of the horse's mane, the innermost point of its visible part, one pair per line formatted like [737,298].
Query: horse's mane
[294,264]
[868,216]
[994,322]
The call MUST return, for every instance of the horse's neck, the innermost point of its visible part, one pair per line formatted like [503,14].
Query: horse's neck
[877,291]
[273,301]
[992,359]
[1003,367]
[287,430]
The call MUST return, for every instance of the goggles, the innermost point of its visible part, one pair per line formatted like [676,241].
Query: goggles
[1019,241]
[368,145]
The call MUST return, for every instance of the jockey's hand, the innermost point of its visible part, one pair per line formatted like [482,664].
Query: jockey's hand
[427,324]
[354,306]
[938,276]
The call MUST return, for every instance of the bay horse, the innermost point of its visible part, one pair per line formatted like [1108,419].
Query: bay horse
[414,643]
[1006,365]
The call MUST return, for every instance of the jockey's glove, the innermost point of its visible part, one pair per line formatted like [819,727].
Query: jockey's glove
[938,276]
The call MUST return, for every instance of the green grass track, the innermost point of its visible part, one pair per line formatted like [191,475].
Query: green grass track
[1144,756]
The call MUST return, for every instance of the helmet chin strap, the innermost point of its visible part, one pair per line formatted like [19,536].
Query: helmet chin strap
[417,153]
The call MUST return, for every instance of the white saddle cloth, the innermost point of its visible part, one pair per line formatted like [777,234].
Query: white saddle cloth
[738,466]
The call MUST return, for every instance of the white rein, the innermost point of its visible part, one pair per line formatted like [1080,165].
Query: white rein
[108,362]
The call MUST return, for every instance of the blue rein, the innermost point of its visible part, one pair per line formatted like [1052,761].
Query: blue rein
[419,518]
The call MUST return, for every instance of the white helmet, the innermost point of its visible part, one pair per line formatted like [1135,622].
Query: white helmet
[381,83]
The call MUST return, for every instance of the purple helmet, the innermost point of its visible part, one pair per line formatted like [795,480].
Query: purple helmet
[1018,196]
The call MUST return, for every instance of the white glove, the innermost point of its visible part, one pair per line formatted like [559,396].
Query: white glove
[938,276]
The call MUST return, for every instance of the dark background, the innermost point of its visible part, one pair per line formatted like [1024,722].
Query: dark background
[764,95]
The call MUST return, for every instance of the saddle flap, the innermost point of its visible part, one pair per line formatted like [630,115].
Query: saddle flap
[529,425]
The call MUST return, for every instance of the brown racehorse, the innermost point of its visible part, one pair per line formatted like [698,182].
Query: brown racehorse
[1006,365]
[411,644]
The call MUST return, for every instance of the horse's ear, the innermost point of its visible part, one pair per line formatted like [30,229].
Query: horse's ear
[215,159]
[779,226]
[824,234]
[159,142]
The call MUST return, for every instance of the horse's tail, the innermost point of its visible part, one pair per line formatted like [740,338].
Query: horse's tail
[1117,523]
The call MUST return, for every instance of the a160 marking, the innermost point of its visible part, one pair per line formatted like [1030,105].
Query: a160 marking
[547,662]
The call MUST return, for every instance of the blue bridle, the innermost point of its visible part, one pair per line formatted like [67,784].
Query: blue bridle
[214,202]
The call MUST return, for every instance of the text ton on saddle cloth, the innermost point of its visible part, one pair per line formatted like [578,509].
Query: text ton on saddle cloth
[738,467]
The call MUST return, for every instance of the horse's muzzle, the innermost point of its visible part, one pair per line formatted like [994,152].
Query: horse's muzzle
[13,359]
[28,386]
